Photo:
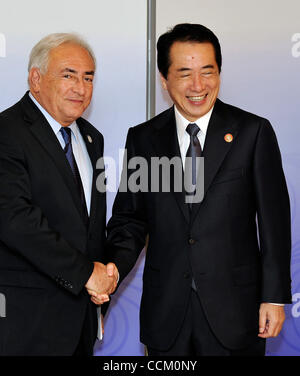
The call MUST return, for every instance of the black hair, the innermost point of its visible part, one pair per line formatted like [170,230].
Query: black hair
[185,32]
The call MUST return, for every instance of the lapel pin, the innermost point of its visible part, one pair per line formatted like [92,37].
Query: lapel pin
[90,140]
[228,137]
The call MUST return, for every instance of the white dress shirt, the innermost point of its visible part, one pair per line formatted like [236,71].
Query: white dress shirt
[184,137]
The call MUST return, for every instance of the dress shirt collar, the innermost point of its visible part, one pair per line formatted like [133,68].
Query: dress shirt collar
[182,122]
[52,122]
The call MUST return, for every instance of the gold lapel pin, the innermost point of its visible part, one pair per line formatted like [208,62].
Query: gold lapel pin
[90,140]
[228,137]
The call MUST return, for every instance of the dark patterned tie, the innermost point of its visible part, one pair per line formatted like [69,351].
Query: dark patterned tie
[66,133]
[193,152]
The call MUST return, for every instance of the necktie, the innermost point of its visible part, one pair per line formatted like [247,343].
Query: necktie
[193,152]
[66,133]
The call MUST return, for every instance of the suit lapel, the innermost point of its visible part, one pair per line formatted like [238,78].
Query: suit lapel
[165,142]
[94,152]
[215,147]
[43,133]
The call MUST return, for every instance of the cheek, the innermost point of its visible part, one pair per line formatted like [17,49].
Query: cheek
[179,91]
[213,89]
[52,97]
[89,93]
[64,89]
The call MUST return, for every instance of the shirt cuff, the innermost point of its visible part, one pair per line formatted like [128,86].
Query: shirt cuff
[279,304]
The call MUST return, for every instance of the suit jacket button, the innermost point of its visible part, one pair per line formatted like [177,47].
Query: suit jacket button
[192,241]
[186,275]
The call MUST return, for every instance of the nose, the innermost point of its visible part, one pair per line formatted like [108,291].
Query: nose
[198,84]
[79,87]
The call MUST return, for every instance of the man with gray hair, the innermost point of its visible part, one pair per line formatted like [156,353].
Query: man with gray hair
[52,218]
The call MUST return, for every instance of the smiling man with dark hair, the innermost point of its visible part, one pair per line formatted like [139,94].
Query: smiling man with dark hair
[210,285]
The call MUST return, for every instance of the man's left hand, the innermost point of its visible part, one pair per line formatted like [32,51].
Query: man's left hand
[271,318]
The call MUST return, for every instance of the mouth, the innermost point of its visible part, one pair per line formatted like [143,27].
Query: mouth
[197,98]
[75,100]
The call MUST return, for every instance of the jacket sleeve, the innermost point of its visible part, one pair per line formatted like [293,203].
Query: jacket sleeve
[127,228]
[273,216]
[24,229]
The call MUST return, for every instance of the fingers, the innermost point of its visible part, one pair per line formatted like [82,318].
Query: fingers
[102,281]
[113,286]
[262,321]
[273,329]
[92,292]
[271,318]
[112,270]
[97,298]
[98,301]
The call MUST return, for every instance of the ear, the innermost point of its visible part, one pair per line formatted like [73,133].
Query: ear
[163,82]
[34,79]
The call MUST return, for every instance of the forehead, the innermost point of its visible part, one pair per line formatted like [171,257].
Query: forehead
[192,52]
[72,56]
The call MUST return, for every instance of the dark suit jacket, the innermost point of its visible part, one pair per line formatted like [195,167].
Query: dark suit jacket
[46,251]
[217,243]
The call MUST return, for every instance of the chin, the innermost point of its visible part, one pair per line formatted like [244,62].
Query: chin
[75,115]
[198,115]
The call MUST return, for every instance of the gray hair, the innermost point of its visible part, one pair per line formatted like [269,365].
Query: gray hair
[39,55]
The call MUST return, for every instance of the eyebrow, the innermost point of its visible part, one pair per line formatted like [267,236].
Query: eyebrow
[74,71]
[208,66]
[183,69]
[188,69]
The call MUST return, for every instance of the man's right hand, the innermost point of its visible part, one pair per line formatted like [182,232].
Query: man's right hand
[103,280]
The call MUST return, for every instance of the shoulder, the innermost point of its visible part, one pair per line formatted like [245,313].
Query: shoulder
[153,124]
[237,113]
[242,119]
[11,113]
[86,127]
[12,123]
[16,117]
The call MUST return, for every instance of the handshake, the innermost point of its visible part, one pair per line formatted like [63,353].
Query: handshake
[102,282]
